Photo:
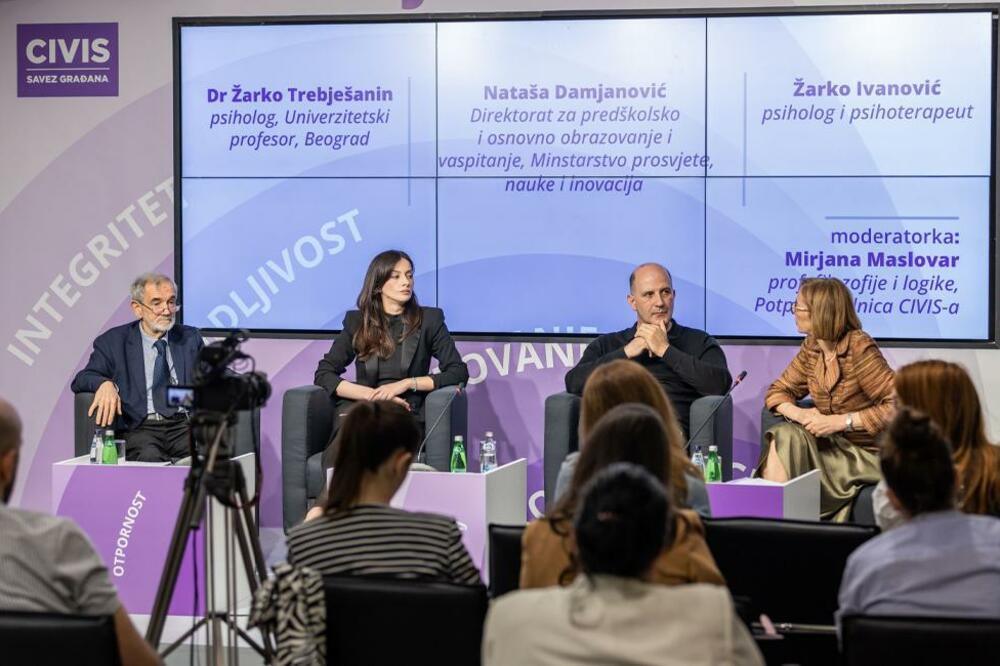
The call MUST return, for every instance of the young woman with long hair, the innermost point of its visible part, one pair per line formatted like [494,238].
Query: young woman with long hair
[614,613]
[391,339]
[358,532]
[633,433]
[945,392]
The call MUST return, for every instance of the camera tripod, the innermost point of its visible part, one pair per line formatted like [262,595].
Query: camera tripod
[213,477]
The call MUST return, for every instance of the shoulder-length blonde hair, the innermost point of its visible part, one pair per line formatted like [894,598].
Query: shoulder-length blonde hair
[945,392]
[621,382]
[831,308]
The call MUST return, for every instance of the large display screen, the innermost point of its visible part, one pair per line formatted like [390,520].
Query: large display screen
[528,165]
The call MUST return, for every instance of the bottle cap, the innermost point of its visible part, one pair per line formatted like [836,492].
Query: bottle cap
[459,438]
[713,447]
[489,433]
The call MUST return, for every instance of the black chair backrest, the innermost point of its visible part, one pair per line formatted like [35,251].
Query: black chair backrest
[870,640]
[33,639]
[378,621]
[789,569]
[505,558]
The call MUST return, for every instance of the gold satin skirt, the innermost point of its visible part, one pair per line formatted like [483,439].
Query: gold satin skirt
[844,467]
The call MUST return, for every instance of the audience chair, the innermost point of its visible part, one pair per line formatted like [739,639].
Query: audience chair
[247,428]
[307,421]
[505,558]
[862,510]
[36,639]
[870,640]
[789,569]
[386,622]
[562,416]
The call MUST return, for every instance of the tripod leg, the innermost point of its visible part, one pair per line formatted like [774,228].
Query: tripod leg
[251,526]
[254,578]
[194,494]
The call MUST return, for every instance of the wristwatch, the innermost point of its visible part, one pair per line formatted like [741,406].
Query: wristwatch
[848,423]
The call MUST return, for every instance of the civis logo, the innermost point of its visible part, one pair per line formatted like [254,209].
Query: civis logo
[67,60]
[412,4]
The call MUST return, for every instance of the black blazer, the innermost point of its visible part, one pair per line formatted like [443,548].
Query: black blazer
[432,340]
[118,356]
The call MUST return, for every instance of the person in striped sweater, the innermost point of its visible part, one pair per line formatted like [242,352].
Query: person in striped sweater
[356,532]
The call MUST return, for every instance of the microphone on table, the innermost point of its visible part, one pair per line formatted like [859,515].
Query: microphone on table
[420,465]
[739,378]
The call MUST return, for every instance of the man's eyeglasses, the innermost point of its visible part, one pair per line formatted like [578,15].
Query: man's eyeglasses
[159,308]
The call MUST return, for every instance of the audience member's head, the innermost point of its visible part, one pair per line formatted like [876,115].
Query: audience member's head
[622,382]
[916,463]
[945,392]
[621,523]
[10,444]
[830,308]
[375,444]
[630,433]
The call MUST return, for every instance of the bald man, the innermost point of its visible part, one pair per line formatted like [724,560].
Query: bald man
[47,565]
[687,362]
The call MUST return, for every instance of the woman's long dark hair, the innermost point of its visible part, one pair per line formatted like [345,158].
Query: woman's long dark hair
[630,433]
[370,434]
[945,392]
[373,336]
[621,524]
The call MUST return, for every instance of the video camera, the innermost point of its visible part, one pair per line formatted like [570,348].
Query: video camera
[216,387]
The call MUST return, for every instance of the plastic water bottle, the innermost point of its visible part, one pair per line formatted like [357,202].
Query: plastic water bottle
[488,452]
[698,460]
[458,463]
[95,447]
[109,452]
[713,467]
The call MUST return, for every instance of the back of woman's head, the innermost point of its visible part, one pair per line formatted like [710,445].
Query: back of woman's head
[623,382]
[945,392]
[369,435]
[629,433]
[621,523]
[916,463]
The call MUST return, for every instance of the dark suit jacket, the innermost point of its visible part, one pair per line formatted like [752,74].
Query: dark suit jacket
[433,339]
[118,356]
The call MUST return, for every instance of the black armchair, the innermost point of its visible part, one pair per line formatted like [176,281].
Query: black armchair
[505,558]
[562,416]
[869,640]
[810,555]
[245,432]
[428,623]
[307,419]
[29,639]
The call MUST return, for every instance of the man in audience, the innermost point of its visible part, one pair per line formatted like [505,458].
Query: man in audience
[131,367]
[47,565]
[939,562]
[687,362]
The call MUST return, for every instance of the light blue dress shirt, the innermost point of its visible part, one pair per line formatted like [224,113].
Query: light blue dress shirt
[941,564]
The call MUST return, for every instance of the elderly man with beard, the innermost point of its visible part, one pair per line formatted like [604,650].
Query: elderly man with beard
[131,367]
[687,362]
